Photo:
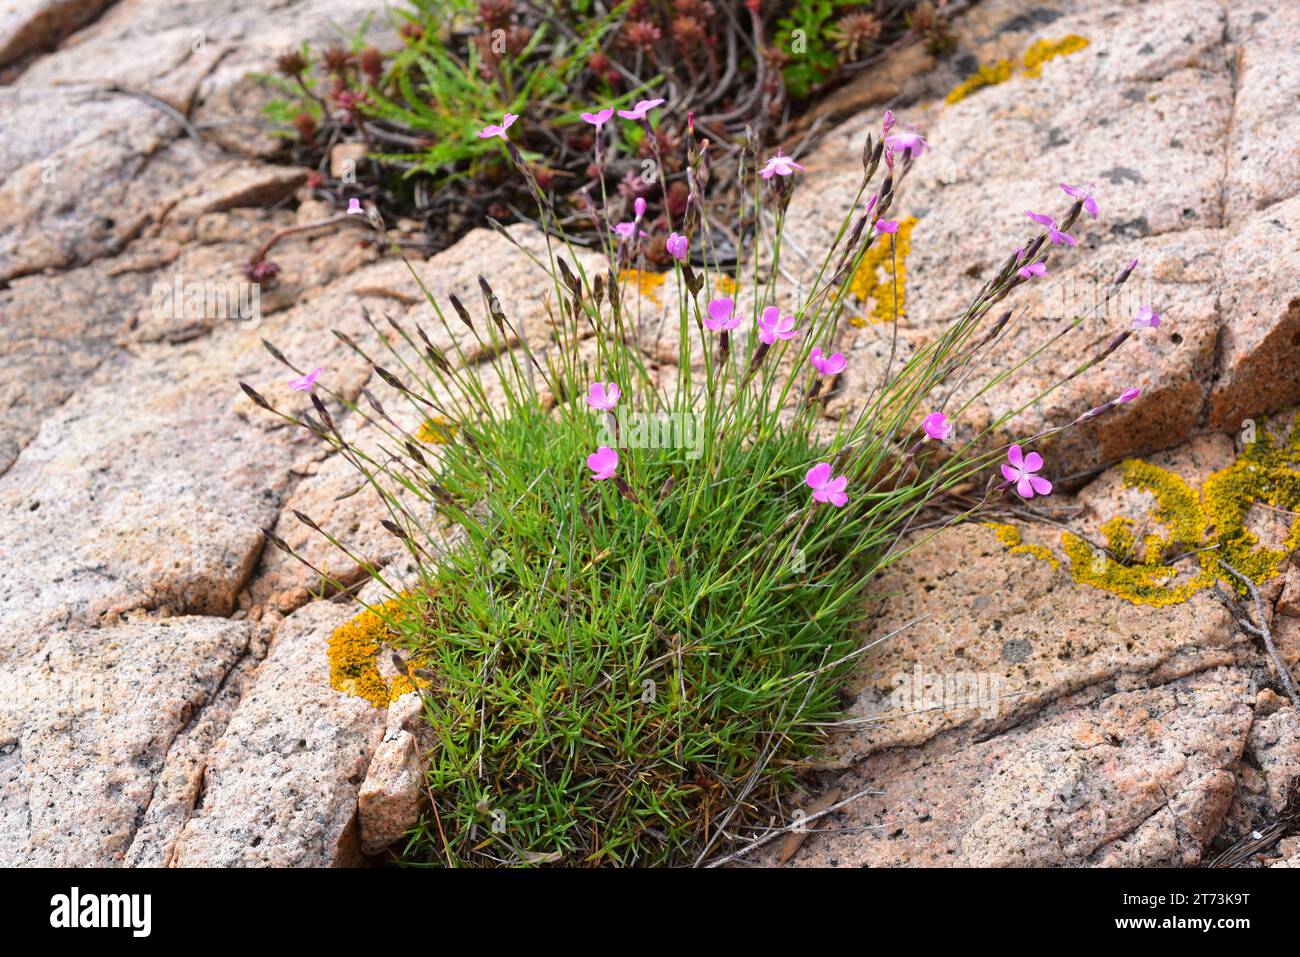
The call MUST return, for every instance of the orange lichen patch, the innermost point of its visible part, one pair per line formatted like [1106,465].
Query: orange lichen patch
[727,286]
[1210,526]
[437,430]
[881,277]
[354,652]
[1031,65]
[644,283]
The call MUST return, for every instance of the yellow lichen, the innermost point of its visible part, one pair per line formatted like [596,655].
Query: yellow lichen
[989,75]
[1040,51]
[1009,537]
[1199,530]
[727,286]
[1031,64]
[881,276]
[645,283]
[436,430]
[353,655]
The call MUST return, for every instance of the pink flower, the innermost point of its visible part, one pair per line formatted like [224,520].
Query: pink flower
[603,462]
[493,130]
[599,118]
[638,207]
[827,365]
[627,231]
[677,247]
[779,165]
[603,395]
[1084,193]
[1147,318]
[1128,395]
[306,383]
[937,426]
[886,226]
[912,142]
[721,315]
[1054,235]
[773,326]
[1032,270]
[827,489]
[354,207]
[639,111]
[887,123]
[1021,473]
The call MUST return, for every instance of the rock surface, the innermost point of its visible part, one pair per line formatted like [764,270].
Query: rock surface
[166,689]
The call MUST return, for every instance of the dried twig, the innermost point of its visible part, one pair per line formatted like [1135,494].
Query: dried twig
[1261,630]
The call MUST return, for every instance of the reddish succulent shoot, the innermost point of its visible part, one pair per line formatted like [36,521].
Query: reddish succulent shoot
[827,365]
[779,165]
[773,326]
[307,382]
[603,463]
[721,315]
[1146,318]
[1021,473]
[498,130]
[1084,193]
[937,426]
[827,490]
[603,395]
[640,111]
[1054,234]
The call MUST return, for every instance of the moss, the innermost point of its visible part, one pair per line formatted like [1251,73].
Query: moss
[1211,524]
[880,276]
[436,430]
[1031,64]
[353,655]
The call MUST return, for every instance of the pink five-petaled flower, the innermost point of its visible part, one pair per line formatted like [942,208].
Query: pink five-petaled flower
[827,489]
[779,165]
[1084,193]
[639,111]
[1147,318]
[354,207]
[773,326]
[832,364]
[306,383]
[493,129]
[1032,270]
[1020,473]
[603,463]
[911,142]
[937,426]
[1128,395]
[628,230]
[1054,235]
[722,315]
[599,118]
[603,395]
[886,226]
[677,246]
